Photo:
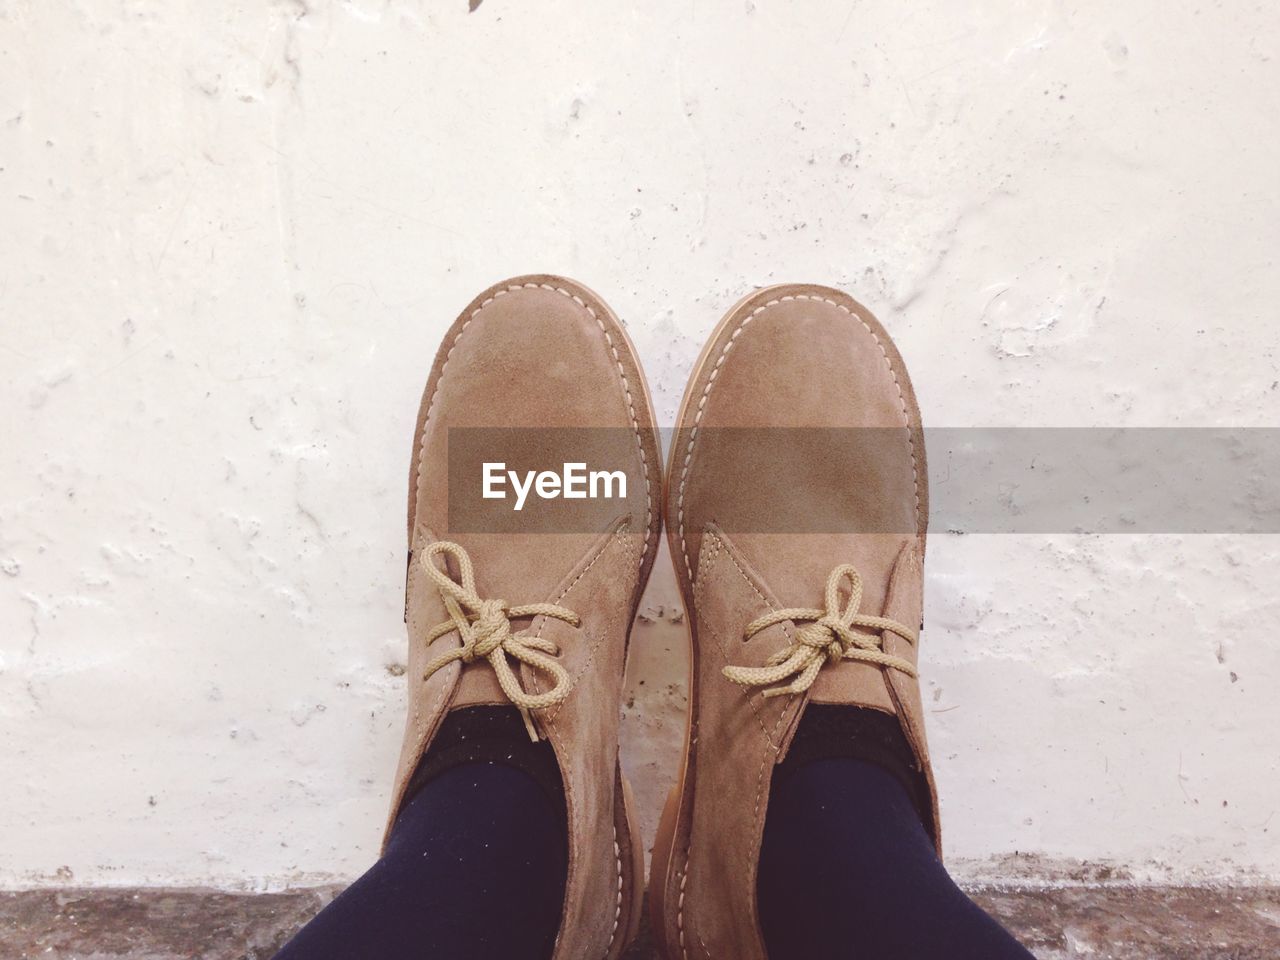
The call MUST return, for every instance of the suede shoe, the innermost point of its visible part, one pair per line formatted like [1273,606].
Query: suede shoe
[531,608]
[797,504]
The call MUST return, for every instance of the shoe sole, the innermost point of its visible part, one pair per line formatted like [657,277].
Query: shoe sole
[664,858]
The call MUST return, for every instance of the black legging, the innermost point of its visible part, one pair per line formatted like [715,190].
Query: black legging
[848,871]
[476,870]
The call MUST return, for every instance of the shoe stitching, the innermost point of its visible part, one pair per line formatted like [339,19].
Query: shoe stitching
[706,393]
[752,702]
[553,713]
[705,563]
[699,589]
[617,538]
[623,528]
[436,702]
[704,567]
[680,918]
[550,720]
[786,630]
[617,852]
[420,747]
[626,386]
[764,763]
[617,910]
[709,557]
[684,879]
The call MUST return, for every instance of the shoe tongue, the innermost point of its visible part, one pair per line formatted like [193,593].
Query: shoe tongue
[796,567]
[478,686]
[853,683]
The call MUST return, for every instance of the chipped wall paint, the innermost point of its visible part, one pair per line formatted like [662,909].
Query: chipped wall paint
[233,235]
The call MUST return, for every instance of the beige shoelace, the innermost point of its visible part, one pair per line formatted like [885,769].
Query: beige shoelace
[485,629]
[830,638]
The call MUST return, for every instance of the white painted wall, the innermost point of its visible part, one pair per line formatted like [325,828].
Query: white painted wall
[232,235]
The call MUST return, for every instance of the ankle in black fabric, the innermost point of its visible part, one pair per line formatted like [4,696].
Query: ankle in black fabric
[831,731]
[488,734]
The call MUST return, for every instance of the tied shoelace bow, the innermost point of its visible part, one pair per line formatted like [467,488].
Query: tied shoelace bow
[829,638]
[485,629]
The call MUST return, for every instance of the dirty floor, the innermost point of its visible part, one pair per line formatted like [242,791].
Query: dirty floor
[1100,923]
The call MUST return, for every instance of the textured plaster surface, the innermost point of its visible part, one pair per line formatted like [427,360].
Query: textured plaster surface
[233,234]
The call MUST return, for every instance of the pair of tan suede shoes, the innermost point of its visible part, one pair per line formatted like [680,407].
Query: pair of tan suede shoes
[780,618]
